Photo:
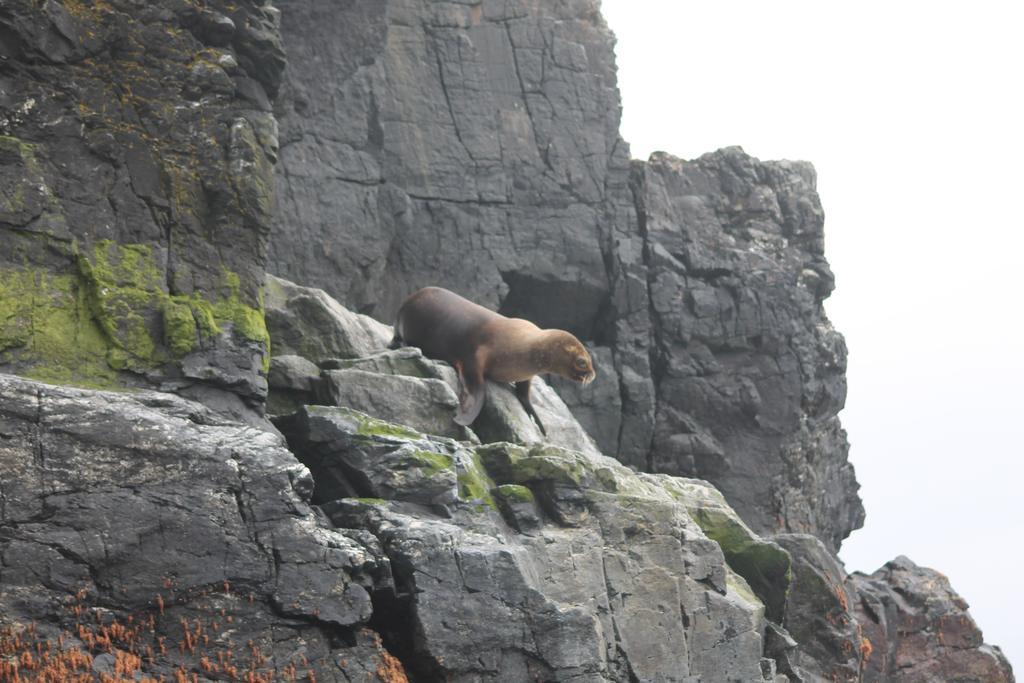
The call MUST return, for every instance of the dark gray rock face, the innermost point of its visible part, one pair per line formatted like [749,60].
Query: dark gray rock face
[142,517]
[419,139]
[917,629]
[477,147]
[749,373]
[136,165]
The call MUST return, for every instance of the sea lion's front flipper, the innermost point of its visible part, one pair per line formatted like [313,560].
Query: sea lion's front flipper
[523,394]
[472,390]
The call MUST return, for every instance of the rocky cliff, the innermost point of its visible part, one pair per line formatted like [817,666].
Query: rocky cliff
[476,146]
[154,525]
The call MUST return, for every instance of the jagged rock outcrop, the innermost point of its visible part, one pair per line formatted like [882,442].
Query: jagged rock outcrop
[476,146]
[306,322]
[917,629]
[903,623]
[137,146]
[750,374]
[436,558]
[548,564]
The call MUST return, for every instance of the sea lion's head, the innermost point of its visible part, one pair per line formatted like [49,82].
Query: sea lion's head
[569,358]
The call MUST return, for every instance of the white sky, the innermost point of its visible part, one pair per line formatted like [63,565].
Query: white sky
[911,112]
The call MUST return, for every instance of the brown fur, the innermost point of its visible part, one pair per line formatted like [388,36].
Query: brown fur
[482,344]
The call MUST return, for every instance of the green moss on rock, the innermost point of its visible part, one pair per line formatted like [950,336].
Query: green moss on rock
[514,493]
[362,424]
[124,292]
[110,312]
[16,304]
[766,567]
[180,329]
[371,426]
[46,319]
[369,501]
[432,463]
[474,484]
[516,465]
[202,313]
[246,321]
[11,146]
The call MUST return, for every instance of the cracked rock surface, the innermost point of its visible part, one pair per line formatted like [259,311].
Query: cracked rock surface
[148,517]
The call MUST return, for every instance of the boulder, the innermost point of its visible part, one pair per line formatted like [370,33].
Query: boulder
[306,322]
[750,373]
[426,404]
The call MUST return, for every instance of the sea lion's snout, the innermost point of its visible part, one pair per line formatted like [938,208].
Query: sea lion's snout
[583,370]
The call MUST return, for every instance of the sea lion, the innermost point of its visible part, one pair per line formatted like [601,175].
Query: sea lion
[481,344]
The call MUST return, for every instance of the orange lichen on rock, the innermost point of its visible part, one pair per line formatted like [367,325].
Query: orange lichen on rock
[390,669]
[866,648]
[132,644]
[841,596]
[24,658]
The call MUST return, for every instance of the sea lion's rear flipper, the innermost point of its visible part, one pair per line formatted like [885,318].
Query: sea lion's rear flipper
[523,394]
[472,390]
[396,341]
